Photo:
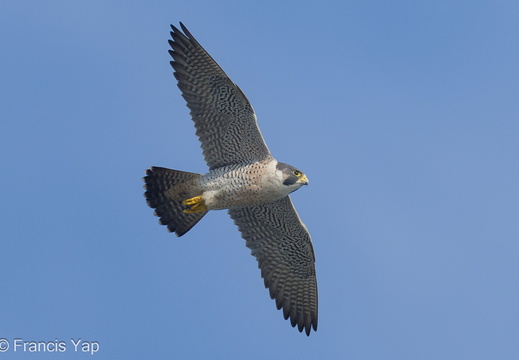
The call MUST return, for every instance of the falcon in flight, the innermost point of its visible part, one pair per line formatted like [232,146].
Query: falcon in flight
[243,177]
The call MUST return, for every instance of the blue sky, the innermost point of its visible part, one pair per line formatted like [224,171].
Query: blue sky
[403,114]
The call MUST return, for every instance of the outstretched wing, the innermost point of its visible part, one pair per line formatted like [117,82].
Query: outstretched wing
[224,119]
[282,245]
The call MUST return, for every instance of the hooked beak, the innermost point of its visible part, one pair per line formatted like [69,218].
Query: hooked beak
[303,180]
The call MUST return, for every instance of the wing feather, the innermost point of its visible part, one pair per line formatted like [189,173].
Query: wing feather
[224,119]
[283,248]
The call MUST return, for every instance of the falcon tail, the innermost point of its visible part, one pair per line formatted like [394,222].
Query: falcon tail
[165,191]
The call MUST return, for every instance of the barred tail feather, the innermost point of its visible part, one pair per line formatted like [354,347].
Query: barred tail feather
[165,191]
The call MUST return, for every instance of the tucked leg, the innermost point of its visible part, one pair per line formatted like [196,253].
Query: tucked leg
[196,204]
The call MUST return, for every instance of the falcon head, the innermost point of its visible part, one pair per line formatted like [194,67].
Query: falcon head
[291,177]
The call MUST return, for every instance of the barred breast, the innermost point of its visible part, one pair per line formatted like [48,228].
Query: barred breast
[242,185]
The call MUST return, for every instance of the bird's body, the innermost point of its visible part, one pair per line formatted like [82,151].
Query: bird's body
[244,184]
[243,177]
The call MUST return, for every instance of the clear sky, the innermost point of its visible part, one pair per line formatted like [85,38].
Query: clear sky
[403,114]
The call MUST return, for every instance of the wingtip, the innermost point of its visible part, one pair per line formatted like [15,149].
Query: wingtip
[307,330]
[184,29]
[309,326]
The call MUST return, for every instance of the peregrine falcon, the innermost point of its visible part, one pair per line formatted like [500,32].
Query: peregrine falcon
[243,178]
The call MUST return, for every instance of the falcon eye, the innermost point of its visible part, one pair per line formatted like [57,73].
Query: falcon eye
[297,173]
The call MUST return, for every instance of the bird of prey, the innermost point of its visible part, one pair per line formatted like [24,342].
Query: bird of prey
[243,177]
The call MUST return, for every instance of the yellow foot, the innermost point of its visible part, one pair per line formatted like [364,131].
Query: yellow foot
[196,204]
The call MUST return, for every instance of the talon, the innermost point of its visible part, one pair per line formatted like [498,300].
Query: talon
[196,204]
